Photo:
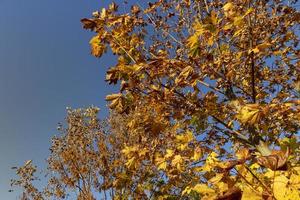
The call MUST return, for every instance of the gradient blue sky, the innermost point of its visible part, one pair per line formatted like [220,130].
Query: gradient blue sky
[45,66]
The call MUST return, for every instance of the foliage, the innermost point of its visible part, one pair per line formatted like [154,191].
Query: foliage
[208,106]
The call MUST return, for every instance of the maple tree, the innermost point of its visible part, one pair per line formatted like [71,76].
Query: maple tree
[208,106]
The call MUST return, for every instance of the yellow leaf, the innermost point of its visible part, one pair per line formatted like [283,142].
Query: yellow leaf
[164,197]
[198,27]
[162,166]
[203,189]
[97,49]
[229,10]
[130,162]
[197,154]
[227,27]
[192,40]
[238,32]
[28,162]
[228,6]
[222,187]
[295,179]
[280,187]
[103,13]
[214,17]
[217,178]
[185,138]
[238,21]
[292,194]
[255,166]
[187,190]
[211,41]
[261,47]
[160,162]
[250,10]
[113,97]
[249,114]
[212,158]
[129,149]
[177,160]
[95,40]
[114,103]
[211,162]
[242,153]
[249,194]
[143,152]
[255,50]
[186,72]
[132,68]
[170,153]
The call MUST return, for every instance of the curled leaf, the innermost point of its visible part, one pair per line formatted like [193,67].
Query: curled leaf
[250,114]
[88,23]
[97,48]
[276,161]
[113,97]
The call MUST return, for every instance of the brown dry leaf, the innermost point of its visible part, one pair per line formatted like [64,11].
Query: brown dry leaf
[233,193]
[88,24]
[276,161]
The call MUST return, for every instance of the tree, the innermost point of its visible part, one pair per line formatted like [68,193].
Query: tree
[208,106]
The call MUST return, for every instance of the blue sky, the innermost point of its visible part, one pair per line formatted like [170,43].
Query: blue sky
[45,66]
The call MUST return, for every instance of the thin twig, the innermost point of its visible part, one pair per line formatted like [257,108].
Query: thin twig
[252,64]
[153,24]
[267,189]
[116,40]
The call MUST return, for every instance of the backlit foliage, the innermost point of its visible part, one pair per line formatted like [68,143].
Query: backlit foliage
[208,106]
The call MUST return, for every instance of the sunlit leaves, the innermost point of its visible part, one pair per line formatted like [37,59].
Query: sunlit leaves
[197,154]
[161,162]
[261,47]
[208,91]
[208,105]
[204,31]
[285,188]
[199,188]
[116,101]
[97,48]
[250,114]
[230,10]
[203,189]
[177,162]
[186,72]
[184,139]
[249,194]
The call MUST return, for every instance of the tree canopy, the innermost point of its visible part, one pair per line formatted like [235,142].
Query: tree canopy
[208,106]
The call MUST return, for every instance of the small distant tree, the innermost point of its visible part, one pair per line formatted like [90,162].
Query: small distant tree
[208,106]
[84,159]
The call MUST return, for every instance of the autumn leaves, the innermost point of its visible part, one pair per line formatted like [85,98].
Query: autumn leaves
[208,106]
[220,84]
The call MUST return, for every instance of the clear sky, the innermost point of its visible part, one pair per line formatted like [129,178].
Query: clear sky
[45,66]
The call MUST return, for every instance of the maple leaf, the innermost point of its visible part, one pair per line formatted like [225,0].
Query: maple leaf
[261,47]
[184,139]
[202,85]
[229,9]
[177,161]
[250,114]
[113,97]
[97,48]
[276,161]
[203,189]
